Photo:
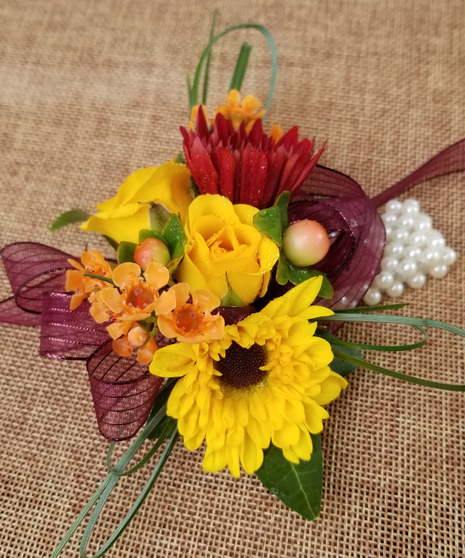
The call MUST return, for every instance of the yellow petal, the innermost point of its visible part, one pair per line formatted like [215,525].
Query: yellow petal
[251,456]
[120,224]
[174,361]
[168,184]
[330,388]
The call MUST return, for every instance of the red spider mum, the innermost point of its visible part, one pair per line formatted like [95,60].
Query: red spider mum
[246,167]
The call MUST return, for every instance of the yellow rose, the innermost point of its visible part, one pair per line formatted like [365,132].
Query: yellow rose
[224,247]
[125,215]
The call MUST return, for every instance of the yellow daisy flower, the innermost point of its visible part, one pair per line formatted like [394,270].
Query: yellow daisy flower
[265,381]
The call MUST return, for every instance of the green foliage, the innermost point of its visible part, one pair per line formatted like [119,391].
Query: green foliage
[286,272]
[241,67]
[268,223]
[147,233]
[126,252]
[68,218]
[298,486]
[175,236]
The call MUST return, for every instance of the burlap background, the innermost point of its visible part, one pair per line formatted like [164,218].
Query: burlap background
[91,91]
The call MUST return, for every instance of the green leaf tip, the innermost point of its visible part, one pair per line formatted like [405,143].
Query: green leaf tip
[297,486]
[69,218]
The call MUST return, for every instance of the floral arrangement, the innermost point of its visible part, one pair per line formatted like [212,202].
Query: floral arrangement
[216,320]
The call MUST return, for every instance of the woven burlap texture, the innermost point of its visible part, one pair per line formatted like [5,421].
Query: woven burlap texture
[91,91]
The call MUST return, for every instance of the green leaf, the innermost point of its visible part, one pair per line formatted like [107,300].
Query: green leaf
[298,486]
[282,204]
[231,298]
[268,223]
[341,367]
[180,159]
[111,242]
[126,252]
[68,218]
[175,236]
[147,233]
[159,216]
[287,272]
[241,67]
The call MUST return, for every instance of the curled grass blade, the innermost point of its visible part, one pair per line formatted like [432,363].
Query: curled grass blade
[203,58]
[173,436]
[398,375]
[367,347]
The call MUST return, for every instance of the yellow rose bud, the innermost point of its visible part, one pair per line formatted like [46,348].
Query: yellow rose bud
[224,247]
[125,215]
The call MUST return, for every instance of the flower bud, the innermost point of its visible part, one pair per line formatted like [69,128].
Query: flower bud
[137,336]
[305,243]
[151,250]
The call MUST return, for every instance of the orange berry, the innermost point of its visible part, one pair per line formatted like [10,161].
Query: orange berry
[151,250]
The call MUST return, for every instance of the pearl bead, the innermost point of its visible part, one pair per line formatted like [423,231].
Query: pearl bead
[399,235]
[389,263]
[394,249]
[422,222]
[372,297]
[396,289]
[407,268]
[388,229]
[417,281]
[430,256]
[448,256]
[389,218]
[438,271]
[383,280]
[412,252]
[393,206]
[435,239]
[418,239]
[405,221]
[410,207]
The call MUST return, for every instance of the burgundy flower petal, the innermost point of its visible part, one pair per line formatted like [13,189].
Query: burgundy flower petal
[123,391]
[69,334]
[263,169]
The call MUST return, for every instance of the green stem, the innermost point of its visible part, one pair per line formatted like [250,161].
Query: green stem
[100,278]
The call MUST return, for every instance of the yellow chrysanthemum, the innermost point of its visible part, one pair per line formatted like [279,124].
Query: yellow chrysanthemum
[265,381]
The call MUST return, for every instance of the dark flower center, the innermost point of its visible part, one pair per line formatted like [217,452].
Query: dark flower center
[240,368]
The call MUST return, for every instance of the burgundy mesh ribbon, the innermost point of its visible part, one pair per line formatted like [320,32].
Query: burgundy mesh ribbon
[452,159]
[355,228]
[32,269]
[123,391]
[69,334]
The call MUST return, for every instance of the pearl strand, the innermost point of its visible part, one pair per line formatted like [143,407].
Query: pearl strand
[414,250]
